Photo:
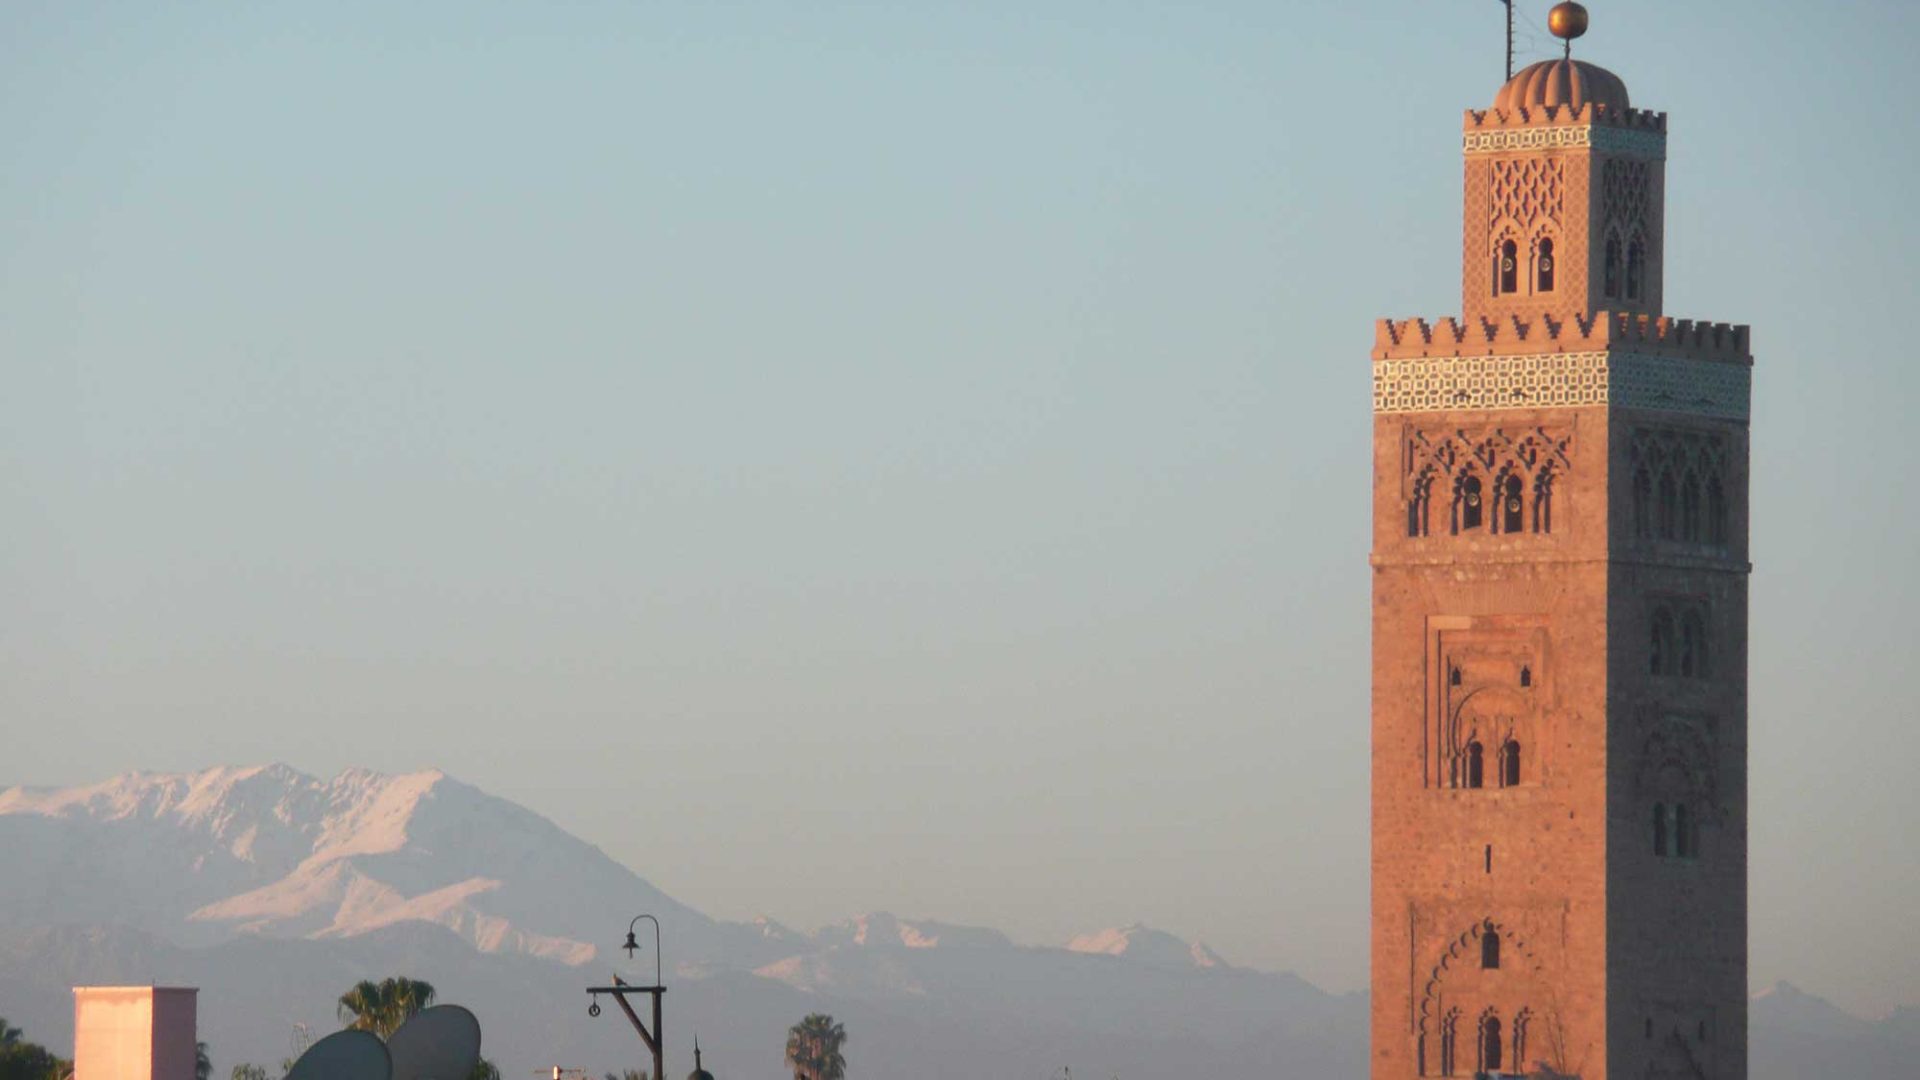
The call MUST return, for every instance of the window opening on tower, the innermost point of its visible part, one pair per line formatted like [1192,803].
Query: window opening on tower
[1470,509]
[1544,264]
[1669,506]
[1660,646]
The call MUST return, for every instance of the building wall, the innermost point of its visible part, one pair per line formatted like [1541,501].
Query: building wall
[134,1032]
[1677,963]
[1527,861]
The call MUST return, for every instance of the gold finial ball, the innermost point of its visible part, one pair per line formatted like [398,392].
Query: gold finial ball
[1567,20]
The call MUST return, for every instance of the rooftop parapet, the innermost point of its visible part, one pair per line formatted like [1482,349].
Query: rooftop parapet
[1395,339]
[1589,113]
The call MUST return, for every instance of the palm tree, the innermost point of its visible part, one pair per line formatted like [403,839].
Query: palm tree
[202,1062]
[8,1033]
[383,1006]
[813,1048]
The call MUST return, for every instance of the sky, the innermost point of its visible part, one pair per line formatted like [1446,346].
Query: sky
[857,456]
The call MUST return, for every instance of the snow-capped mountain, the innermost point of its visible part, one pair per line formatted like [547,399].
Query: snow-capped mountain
[1144,945]
[273,891]
[268,851]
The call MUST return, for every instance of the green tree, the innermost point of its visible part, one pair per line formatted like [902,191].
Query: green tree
[383,1006]
[813,1048]
[249,1072]
[630,1074]
[22,1060]
[202,1062]
[484,1070]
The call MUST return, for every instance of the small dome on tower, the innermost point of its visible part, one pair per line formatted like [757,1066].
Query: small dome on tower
[1572,83]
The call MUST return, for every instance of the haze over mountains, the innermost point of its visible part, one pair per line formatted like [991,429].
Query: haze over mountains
[274,891]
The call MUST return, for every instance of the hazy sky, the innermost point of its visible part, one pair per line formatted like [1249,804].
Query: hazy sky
[846,456]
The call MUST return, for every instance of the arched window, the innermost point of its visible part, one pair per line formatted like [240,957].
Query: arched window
[1690,526]
[1543,501]
[1669,516]
[1660,646]
[1449,1035]
[1476,765]
[1510,763]
[1507,270]
[1511,520]
[1543,263]
[1682,838]
[1417,506]
[1693,645]
[1636,268]
[1489,946]
[1642,503]
[1716,512]
[1453,676]
[1490,1044]
[1521,1021]
[1610,278]
[1660,829]
[1470,509]
[1526,676]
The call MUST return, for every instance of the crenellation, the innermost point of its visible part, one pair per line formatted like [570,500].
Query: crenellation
[1568,116]
[1699,339]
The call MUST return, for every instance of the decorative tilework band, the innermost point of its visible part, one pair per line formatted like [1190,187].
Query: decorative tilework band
[1628,380]
[1611,140]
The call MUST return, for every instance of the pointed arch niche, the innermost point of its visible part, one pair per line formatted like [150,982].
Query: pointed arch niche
[1490,680]
[1472,1015]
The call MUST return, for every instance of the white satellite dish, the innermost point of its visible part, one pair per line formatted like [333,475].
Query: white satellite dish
[345,1055]
[441,1043]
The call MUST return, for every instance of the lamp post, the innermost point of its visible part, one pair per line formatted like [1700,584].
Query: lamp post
[621,988]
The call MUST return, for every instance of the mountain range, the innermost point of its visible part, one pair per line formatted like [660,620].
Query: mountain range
[273,891]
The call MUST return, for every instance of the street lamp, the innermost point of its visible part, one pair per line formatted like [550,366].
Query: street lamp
[621,988]
[632,944]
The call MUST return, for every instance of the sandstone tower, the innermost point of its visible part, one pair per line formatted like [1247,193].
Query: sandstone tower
[1559,626]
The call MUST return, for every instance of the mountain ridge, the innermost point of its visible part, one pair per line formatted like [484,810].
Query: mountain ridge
[273,890]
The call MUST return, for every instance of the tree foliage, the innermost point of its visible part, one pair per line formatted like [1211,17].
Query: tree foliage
[383,1006]
[22,1060]
[202,1062]
[249,1072]
[813,1048]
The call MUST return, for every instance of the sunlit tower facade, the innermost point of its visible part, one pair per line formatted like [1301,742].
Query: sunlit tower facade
[1559,625]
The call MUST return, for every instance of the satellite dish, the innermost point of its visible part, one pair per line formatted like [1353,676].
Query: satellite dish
[345,1055]
[441,1043]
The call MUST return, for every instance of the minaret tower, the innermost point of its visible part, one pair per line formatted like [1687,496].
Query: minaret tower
[1559,624]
